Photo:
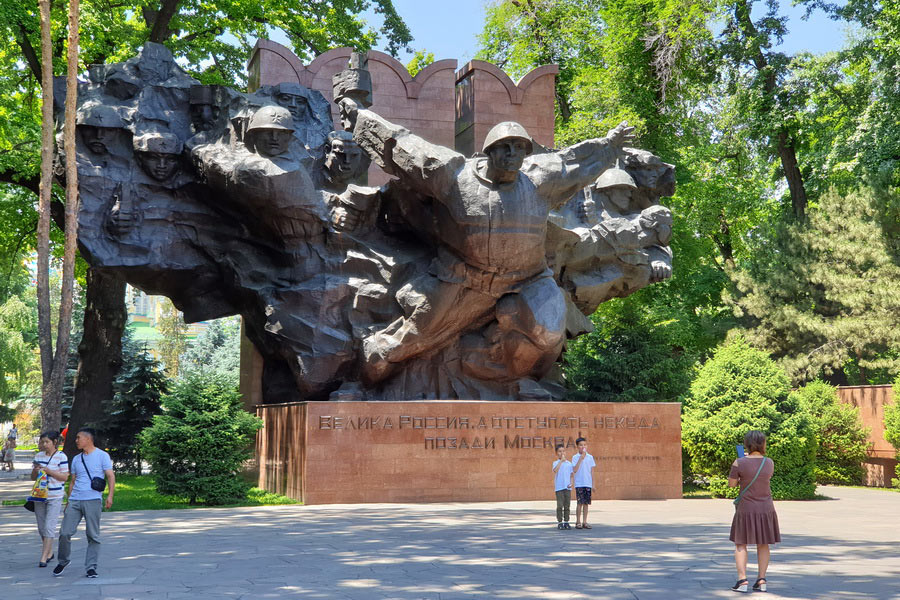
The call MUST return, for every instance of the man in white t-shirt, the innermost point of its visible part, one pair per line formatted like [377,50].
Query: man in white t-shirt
[84,501]
[564,482]
[582,463]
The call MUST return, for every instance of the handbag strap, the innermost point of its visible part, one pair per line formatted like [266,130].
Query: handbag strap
[50,460]
[762,463]
[91,476]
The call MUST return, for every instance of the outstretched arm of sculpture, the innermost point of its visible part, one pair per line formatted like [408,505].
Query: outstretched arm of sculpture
[566,171]
[428,168]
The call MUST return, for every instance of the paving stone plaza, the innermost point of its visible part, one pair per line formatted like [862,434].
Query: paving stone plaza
[845,547]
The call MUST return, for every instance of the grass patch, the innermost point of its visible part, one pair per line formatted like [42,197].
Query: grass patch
[692,490]
[868,487]
[138,492]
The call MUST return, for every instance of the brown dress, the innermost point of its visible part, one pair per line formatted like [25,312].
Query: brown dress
[755,521]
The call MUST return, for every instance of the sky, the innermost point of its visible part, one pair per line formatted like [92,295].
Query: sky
[449,29]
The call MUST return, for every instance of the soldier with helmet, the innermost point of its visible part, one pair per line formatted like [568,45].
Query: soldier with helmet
[159,154]
[491,218]
[100,126]
[270,131]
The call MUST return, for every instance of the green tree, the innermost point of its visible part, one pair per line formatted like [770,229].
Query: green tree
[218,349]
[842,440]
[741,389]
[892,423]
[420,60]
[138,389]
[197,445]
[821,294]
[756,74]
[16,319]
[627,358]
[174,342]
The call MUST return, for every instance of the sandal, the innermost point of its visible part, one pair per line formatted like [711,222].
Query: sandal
[741,586]
[760,585]
[577,525]
[586,526]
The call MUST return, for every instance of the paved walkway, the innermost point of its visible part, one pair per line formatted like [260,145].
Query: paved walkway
[638,550]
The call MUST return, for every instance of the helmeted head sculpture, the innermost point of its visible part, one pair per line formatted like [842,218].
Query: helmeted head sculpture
[158,154]
[99,125]
[506,145]
[270,131]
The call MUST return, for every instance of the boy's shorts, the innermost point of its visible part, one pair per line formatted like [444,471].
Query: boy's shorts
[583,495]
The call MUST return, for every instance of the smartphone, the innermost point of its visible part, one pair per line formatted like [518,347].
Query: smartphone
[740,450]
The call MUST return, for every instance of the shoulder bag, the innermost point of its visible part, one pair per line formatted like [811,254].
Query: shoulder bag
[762,463]
[98,484]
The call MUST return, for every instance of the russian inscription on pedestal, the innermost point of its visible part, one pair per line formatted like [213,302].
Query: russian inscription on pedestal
[464,451]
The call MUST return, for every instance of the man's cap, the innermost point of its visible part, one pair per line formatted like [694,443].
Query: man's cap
[271,117]
[613,178]
[99,115]
[507,130]
[162,143]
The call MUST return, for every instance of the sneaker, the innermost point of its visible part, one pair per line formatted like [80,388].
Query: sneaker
[560,526]
[567,526]
[92,573]
[58,570]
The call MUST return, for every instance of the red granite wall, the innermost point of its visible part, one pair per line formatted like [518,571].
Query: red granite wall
[485,96]
[881,464]
[352,452]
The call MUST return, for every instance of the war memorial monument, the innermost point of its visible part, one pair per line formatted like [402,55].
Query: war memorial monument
[408,255]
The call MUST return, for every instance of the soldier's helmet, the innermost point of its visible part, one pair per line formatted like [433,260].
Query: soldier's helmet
[162,143]
[615,178]
[99,115]
[507,130]
[271,117]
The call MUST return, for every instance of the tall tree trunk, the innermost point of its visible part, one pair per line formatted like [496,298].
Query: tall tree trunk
[45,340]
[784,143]
[52,398]
[100,351]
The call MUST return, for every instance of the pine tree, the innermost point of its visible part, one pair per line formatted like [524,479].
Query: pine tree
[823,297]
[138,389]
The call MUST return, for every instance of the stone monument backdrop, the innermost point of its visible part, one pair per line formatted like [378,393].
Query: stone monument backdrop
[460,276]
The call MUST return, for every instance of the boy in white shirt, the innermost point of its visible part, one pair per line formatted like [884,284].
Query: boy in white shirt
[582,463]
[564,483]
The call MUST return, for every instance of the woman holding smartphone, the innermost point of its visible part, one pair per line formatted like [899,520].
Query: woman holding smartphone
[55,464]
[755,520]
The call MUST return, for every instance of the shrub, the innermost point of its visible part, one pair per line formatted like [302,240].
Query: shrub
[892,424]
[842,439]
[197,445]
[629,357]
[737,390]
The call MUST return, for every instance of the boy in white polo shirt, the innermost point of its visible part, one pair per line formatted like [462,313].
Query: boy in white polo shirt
[582,463]
[564,482]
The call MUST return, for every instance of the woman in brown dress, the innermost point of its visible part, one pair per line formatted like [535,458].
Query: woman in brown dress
[755,521]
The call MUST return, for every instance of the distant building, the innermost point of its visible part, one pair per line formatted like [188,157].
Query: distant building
[144,312]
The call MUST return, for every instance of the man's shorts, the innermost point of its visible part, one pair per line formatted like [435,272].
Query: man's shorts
[583,495]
